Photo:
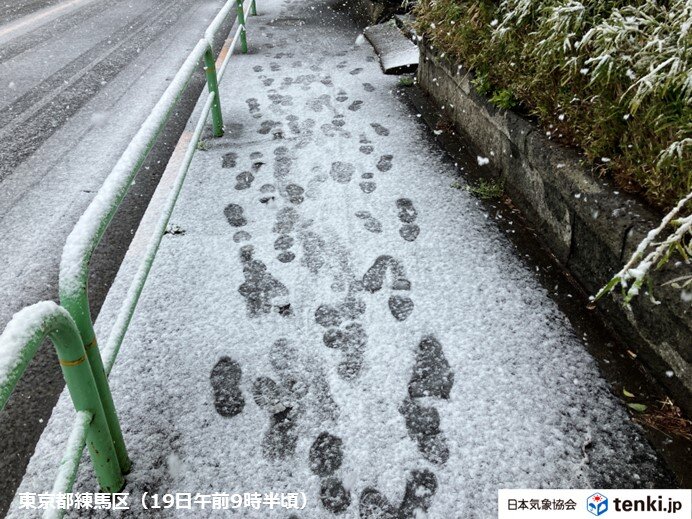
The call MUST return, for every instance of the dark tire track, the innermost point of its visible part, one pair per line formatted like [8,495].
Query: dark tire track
[43,34]
[14,12]
[26,124]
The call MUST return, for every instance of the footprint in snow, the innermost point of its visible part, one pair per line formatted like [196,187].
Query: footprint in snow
[400,305]
[314,247]
[351,338]
[325,458]
[431,377]
[244,180]
[368,185]
[380,130]
[296,387]
[282,400]
[421,486]
[342,172]
[304,129]
[294,194]
[229,160]
[235,215]
[241,236]
[286,219]
[385,163]
[268,126]
[225,383]
[263,293]
[370,223]
[280,100]
[409,231]
[335,128]
[254,107]
[366,148]
[283,242]
[324,101]
[339,121]
[267,193]
[315,183]
[282,163]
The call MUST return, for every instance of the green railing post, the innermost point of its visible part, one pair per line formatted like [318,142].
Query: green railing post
[253,8]
[79,310]
[22,337]
[213,86]
[85,397]
[241,21]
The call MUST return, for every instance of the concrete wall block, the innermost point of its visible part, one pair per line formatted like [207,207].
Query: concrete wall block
[368,12]
[468,114]
[592,259]
[518,131]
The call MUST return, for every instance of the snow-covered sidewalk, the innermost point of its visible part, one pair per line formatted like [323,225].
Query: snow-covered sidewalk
[331,317]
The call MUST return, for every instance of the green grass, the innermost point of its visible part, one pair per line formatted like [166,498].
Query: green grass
[608,76]
[406,81]
[487,189]
[504,98]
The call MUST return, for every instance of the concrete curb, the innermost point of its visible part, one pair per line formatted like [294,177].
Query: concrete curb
[397,53]
[589,226]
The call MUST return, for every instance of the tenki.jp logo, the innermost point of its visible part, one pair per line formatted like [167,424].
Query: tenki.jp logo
[597,504]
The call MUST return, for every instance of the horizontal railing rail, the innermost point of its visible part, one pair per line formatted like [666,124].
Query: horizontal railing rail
[20,340]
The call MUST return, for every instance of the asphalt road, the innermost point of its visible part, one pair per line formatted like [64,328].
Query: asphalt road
[77,78]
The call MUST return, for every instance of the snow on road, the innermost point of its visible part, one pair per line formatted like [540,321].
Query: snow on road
[38,18]
[331,317]
[72,94]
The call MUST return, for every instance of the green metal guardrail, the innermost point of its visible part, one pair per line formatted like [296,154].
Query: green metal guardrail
[24,334]
[70,326]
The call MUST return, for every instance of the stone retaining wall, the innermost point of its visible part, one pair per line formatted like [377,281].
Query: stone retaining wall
[371,12]
[589,226]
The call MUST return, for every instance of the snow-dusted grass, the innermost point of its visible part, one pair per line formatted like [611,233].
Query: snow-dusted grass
[651,255]
[609,76]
